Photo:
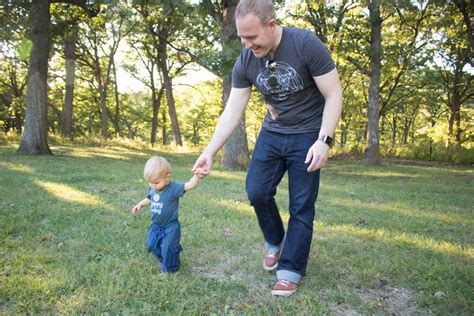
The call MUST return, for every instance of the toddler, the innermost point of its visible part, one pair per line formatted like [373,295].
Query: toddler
[164,233]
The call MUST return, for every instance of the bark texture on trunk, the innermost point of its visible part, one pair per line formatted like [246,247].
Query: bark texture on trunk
[34,139]
[167,81]
[168,85]
[373,151]
[117,100]
[70,53]
[156,102]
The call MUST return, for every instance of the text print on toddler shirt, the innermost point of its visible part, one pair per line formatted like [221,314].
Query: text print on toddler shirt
[155,206]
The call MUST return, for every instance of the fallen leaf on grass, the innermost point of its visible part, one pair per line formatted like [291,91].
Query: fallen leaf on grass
[228,232]
[361,221]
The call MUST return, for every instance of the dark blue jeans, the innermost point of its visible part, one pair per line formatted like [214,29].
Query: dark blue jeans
[164,243]
[274,154]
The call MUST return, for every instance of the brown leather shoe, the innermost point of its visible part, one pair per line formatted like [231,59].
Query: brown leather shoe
[270,260]
[284,288]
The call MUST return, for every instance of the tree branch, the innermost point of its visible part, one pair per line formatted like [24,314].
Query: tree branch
[92,11]
[359,66]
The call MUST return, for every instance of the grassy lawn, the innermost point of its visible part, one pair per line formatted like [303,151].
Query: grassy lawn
[393,239]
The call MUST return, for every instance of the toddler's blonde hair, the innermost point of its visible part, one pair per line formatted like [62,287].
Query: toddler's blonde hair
[156,167]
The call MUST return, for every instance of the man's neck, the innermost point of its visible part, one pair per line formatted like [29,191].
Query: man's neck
[278,36]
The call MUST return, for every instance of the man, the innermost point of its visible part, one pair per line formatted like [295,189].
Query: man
[292,68]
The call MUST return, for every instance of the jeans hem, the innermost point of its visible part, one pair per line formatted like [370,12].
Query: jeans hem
[272,249]
[289,275]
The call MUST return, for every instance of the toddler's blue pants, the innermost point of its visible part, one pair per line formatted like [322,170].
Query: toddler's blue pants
[164,242]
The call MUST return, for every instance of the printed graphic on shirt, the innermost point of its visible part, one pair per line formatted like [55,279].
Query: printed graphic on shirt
[280,80]
[155,206]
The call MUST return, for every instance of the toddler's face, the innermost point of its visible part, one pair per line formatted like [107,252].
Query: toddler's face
[159,183]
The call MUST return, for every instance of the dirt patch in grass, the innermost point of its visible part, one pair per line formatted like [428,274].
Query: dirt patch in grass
[395,301]
[386,299]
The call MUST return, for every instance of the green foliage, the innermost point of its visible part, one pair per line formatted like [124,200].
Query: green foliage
[435,152]
[425,60]
[24,49]
[214,33]
[12,90]
[395,239]
[199,107]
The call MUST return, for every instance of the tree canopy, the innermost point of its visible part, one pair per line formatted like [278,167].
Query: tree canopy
[406,69]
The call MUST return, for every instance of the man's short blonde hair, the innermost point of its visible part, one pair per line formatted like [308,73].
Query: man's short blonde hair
[263,9]
[156,167]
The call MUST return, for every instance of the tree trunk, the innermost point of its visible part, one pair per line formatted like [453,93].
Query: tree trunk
[164,133]
[236,153]
[34,140]
[465,7]
[373,151]
[454,120]
[103,111]
[18,121]
[344,128]
[117,101]
[102,78]
[17,89]
[455,110]
[69,52]
[156,102]
[168,84]
[394,129]
[406,131]
[433,123]
[154,120]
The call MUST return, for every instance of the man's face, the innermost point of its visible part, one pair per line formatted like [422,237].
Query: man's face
[259,38]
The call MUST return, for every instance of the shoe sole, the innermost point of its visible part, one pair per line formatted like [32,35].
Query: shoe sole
[267,268]
[282,293]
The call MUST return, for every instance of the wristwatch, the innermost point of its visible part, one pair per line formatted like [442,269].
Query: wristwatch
[326,139]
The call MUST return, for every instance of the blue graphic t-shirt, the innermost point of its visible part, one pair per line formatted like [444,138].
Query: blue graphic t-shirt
[294,102]
[165,203]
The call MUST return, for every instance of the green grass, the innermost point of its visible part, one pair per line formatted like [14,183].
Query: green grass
[386,240]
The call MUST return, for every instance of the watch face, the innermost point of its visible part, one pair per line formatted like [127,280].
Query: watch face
[326,139]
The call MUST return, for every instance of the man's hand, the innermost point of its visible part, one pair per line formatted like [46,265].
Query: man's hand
[317,156]
[203,165]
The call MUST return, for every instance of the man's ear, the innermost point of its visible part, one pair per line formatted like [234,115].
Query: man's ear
[272,24]
[168,176]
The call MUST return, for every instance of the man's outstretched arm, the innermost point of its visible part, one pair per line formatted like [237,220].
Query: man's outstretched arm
[228,121]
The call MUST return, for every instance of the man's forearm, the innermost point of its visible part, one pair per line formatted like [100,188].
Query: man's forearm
[332,113]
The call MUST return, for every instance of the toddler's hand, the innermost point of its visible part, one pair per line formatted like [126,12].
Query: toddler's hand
[136,208]
[199,172]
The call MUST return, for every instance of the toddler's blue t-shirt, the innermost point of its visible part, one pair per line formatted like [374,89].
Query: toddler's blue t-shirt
[165,203]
